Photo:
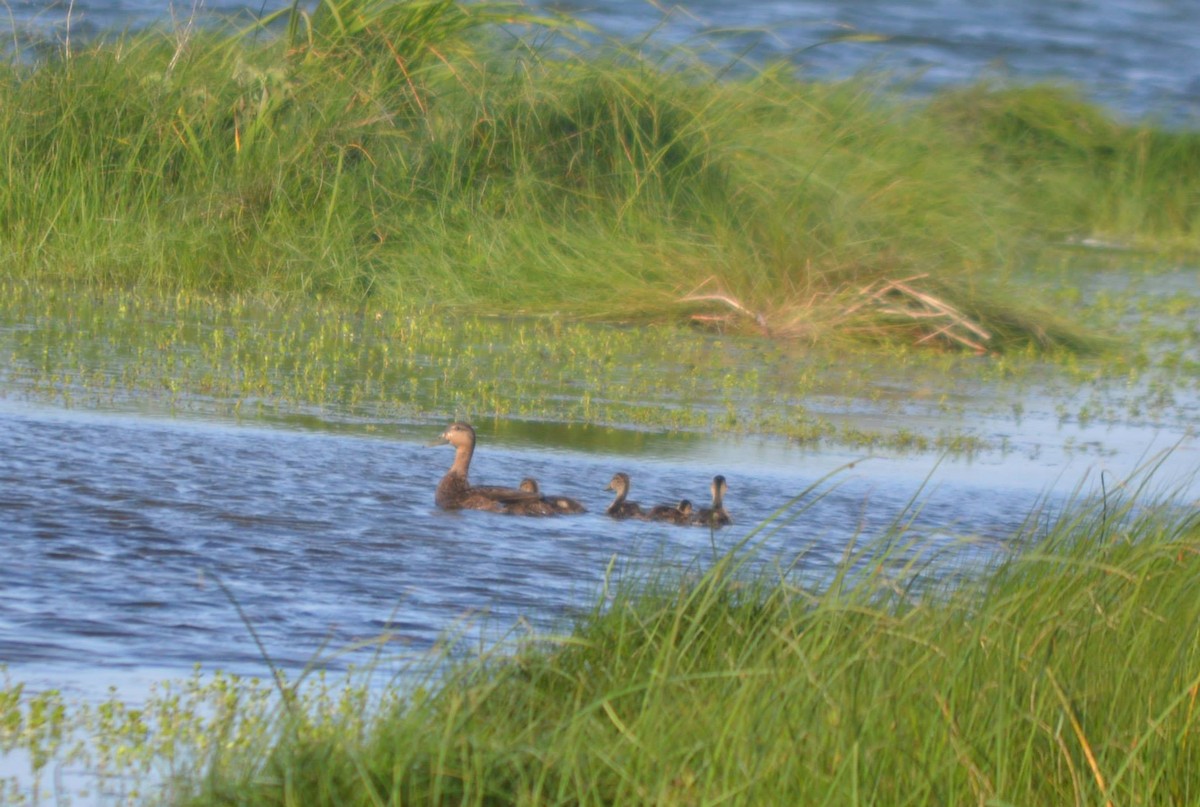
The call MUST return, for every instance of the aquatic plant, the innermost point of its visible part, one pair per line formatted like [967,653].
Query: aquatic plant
[1058,674]
[360,367]
[1054,665]
[419,153]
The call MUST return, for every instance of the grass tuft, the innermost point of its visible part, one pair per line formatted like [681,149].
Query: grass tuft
[457,154]
[1062,672]
[1058,665]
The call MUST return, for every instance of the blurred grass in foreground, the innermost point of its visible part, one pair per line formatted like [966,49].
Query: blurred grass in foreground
[1057,666]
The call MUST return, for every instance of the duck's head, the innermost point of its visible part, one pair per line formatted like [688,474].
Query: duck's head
[685,507]
[619,482]
[529,485]
[719,486]
[457,434]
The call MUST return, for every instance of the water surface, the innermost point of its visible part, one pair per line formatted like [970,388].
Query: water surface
[1140,57]
[129,538]
[146,533]
[138,536]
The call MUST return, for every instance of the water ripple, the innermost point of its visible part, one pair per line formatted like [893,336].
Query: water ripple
[132,542]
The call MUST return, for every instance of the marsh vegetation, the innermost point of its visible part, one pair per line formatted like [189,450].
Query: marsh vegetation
[1060,671]
[398,213]
[478,158]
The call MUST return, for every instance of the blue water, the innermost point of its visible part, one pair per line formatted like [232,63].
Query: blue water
[135,541]
[1139,57]
[137,546]
[128,540]
[134,545]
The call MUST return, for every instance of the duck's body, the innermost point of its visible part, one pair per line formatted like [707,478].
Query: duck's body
[455,491]
[620,508]
[556,504]
[672,513]
[715,516]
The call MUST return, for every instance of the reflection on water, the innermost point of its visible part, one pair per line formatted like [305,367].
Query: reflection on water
[143,531]
[136,546]
[129,532]
[116,531]
[119,533]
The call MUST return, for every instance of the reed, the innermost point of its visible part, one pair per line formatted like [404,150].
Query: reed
[371,368]
[1056,665]
[1061,671]
[416,153]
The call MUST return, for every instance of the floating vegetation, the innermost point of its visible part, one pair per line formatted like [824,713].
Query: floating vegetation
[365,367]
[115,752]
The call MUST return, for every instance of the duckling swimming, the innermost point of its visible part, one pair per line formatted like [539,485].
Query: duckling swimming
[619,507]
[716,516]
[672,513]
[455,492]
[557,504]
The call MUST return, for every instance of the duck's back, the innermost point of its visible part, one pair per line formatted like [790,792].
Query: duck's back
[565,504]
[455,493]
[712,518]
[626,510]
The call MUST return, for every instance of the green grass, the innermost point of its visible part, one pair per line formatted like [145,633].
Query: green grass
[276,222]
[415,155]
[1068,673]
[1065,670]
[369,368]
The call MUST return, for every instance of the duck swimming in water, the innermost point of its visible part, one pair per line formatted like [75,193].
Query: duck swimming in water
[716,516]
[558,504]
[672,513]
[455,491]
[619,507]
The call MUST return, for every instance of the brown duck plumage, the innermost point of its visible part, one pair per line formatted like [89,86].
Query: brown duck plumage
[557,504]
[619,507]
[455,491]
[672,513]
[715,516]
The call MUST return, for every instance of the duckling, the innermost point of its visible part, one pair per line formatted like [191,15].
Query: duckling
[672,513]
[619,507]
[455,492]
[558,504]
[716,516]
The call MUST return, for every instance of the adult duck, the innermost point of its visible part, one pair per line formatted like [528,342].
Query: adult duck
[715,516]
[455,491]
[672,513]
[619,507]
[558,504]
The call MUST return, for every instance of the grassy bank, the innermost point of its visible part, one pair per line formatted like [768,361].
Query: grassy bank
[416,154]
[1066,675]
[1065,672]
